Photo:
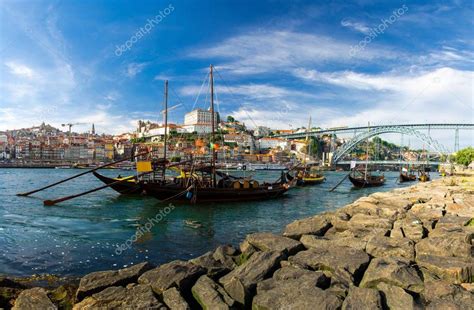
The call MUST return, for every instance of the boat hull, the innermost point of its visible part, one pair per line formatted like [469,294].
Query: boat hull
[123,188]
[178,193]
[407,178]
[310,181]
[371,182]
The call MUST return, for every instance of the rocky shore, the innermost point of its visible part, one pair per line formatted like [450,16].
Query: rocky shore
[409,248]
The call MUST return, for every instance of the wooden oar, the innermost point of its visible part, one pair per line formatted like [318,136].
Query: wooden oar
[55,201]
[340,182]
[81,174]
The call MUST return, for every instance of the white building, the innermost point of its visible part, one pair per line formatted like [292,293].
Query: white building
[270,143]
[200,121]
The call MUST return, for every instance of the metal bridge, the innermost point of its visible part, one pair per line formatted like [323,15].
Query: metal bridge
[362,133]
[391,162]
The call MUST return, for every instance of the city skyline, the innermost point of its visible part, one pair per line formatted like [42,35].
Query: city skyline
[277,63]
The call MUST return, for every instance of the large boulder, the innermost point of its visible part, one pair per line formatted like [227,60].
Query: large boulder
[241,282]
[316,225]
[177,273]
[452,269]
[394,271]
[210,295]
[395,298]
[347,261]
[360,298]
[452,221]
[381,246]
[118,297]
[363,221]
[214,268]
[226,254]
[449,244]
[409,227]
[271,242]
[97,281]
[315,278]
[293,294]
[174,300]
[32,299]
[460,209]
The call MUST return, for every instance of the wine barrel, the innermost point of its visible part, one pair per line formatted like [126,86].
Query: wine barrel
[254,184]
[236,185]
[246,184]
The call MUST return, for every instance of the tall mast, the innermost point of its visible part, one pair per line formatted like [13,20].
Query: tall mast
[213,159]
[308,147]
[166,127]
[367,155]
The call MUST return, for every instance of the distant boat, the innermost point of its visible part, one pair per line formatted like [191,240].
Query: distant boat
[363,178]
[407,176]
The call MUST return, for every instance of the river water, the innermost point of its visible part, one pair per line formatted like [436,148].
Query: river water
[81,235]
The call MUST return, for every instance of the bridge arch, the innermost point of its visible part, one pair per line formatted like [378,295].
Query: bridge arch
[433,144]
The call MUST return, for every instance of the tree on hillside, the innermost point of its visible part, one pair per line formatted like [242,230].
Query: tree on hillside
[230,119]
[464,156]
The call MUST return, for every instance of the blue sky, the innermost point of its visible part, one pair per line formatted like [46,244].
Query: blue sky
[278,62]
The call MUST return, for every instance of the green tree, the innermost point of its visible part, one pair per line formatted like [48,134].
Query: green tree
[230,119]
[464,156]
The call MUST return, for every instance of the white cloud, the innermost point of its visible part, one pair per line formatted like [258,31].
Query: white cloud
[134,68]
[271,51]
[357,26]
[19,69]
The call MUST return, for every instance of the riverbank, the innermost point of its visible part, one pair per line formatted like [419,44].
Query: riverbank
[404,249]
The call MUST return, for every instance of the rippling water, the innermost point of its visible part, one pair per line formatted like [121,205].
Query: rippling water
[81,235]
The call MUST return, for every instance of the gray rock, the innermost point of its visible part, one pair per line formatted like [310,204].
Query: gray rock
[316,225]
[463,209]
[173,299]
[315,278]
[293,294]
[395,297]
[271,242]
[451,221]
[395,271]
[246,248]
[409,227]
[241,282]
[362,298]
[450,244]
[214,268]
[381,246]
[32,299]
[452,269]
[117,297]
[225,254]
[210,295]
[177,273]
[362,221]
[439,289]
[97,281]
[348,261]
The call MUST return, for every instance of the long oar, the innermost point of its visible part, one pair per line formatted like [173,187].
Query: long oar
[81,174]
[339,183]
[55,201]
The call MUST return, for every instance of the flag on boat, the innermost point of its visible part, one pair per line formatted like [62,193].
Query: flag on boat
[353,164]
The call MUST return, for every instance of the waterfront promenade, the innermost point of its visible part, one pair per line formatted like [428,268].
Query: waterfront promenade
[404,249]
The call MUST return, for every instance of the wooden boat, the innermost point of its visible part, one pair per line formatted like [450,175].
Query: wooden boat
[128,186]
[423,176]
[308,175]
[202,182]
[366,180]
[407,177]
[363,178]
